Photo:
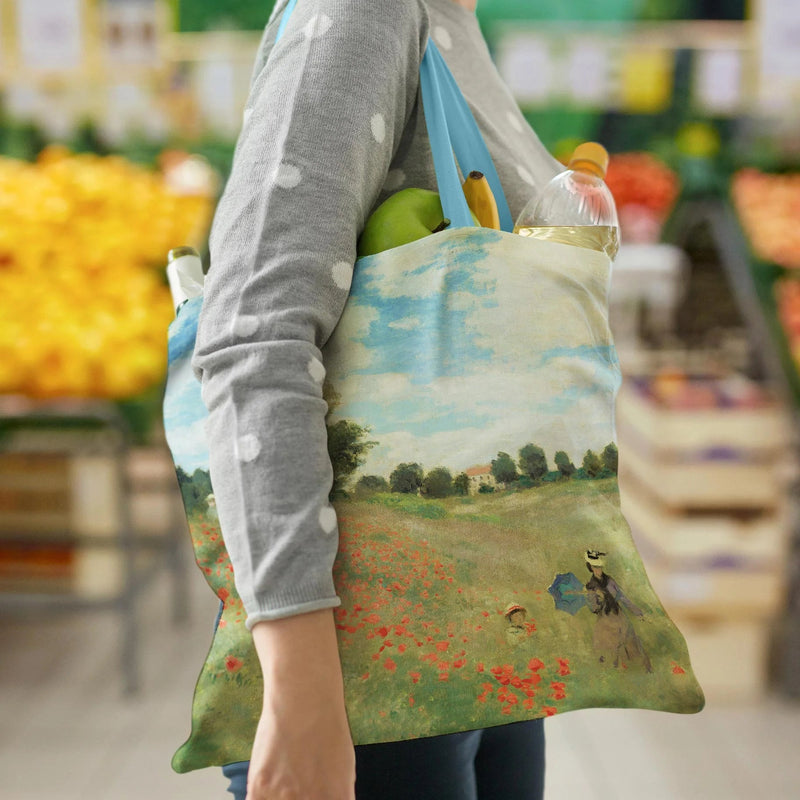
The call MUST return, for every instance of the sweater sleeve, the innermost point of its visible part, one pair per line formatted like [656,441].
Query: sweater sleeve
[324,117]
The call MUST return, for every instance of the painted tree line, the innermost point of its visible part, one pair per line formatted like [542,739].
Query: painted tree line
[530,469]
[195,489]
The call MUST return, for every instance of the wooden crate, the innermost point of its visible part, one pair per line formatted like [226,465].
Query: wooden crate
[750,537]
[719,458]
[61,513]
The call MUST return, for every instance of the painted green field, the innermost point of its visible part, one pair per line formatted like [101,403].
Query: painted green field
[425,643]
[424,638]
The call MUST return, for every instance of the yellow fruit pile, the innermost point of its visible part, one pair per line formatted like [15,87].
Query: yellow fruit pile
[84,308]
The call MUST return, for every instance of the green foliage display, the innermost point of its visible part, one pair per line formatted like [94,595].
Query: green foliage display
[205,15]
[406,478]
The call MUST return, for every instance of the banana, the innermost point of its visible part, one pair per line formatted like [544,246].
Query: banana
[481,200]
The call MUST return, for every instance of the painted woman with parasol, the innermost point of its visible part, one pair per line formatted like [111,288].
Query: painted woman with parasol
[614,638]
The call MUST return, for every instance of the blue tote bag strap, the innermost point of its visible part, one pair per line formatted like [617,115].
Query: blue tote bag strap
[451,128]
[287,12]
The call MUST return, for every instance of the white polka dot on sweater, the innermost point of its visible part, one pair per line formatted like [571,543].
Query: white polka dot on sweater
[442,36]
[247,447]
[288,176]
[317,26]
[514,121]
[525,175]
[378,125]
[327,519]
[395,178]
[245,325]
[342,273]
[316,370]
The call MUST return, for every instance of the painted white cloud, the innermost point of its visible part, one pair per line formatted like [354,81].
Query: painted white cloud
[350,328]
[189,442]
[406,324]
[505,419]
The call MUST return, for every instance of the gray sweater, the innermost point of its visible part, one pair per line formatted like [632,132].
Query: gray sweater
[333,125]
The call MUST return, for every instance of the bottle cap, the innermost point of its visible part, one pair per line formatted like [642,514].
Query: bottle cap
[590,157]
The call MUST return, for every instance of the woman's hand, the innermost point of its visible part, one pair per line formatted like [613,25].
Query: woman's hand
[302,749]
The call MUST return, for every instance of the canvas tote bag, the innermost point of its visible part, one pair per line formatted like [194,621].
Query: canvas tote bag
[486,572]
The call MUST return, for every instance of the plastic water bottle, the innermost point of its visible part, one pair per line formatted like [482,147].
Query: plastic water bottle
[576,207]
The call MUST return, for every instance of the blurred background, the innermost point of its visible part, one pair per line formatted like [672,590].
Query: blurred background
[118,120]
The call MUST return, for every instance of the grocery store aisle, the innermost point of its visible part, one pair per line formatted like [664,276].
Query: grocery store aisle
[67,733]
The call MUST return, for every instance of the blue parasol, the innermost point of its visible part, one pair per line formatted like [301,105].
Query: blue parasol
[568,592]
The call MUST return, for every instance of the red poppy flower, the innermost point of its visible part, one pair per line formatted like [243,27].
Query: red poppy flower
[442,646]
[506,710]
[390,665]
[411,701]
[528,703]
[535,664]
[401,648]
[479,666]
[458,663]
[233,664]
[415,676]
[549,710]
[678,670]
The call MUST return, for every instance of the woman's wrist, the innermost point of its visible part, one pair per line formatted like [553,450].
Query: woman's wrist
[304,644]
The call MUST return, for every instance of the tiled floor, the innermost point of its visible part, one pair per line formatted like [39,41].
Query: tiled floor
[67,733]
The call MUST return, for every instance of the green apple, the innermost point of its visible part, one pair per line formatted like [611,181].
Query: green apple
[403,217]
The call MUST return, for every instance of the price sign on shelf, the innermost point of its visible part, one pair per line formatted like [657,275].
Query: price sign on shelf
[778,26]
[718,84]
[527,65]
[51,35]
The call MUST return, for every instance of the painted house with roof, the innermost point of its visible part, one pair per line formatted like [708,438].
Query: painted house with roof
[480,475]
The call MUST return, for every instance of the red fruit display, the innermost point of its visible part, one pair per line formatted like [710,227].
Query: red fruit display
[768,207]
[645,190]
[642,179]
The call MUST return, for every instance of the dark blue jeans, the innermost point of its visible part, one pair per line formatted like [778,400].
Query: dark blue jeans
[503,763]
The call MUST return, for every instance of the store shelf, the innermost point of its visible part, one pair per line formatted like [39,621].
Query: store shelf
[116,516]
[753,284]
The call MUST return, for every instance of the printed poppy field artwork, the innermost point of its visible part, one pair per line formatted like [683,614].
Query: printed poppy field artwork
[485,570]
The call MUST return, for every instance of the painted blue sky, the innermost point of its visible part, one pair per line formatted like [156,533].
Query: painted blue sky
[184,411]
[449,366]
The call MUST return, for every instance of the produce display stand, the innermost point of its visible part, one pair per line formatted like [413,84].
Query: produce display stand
[119,559]
[753,283]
